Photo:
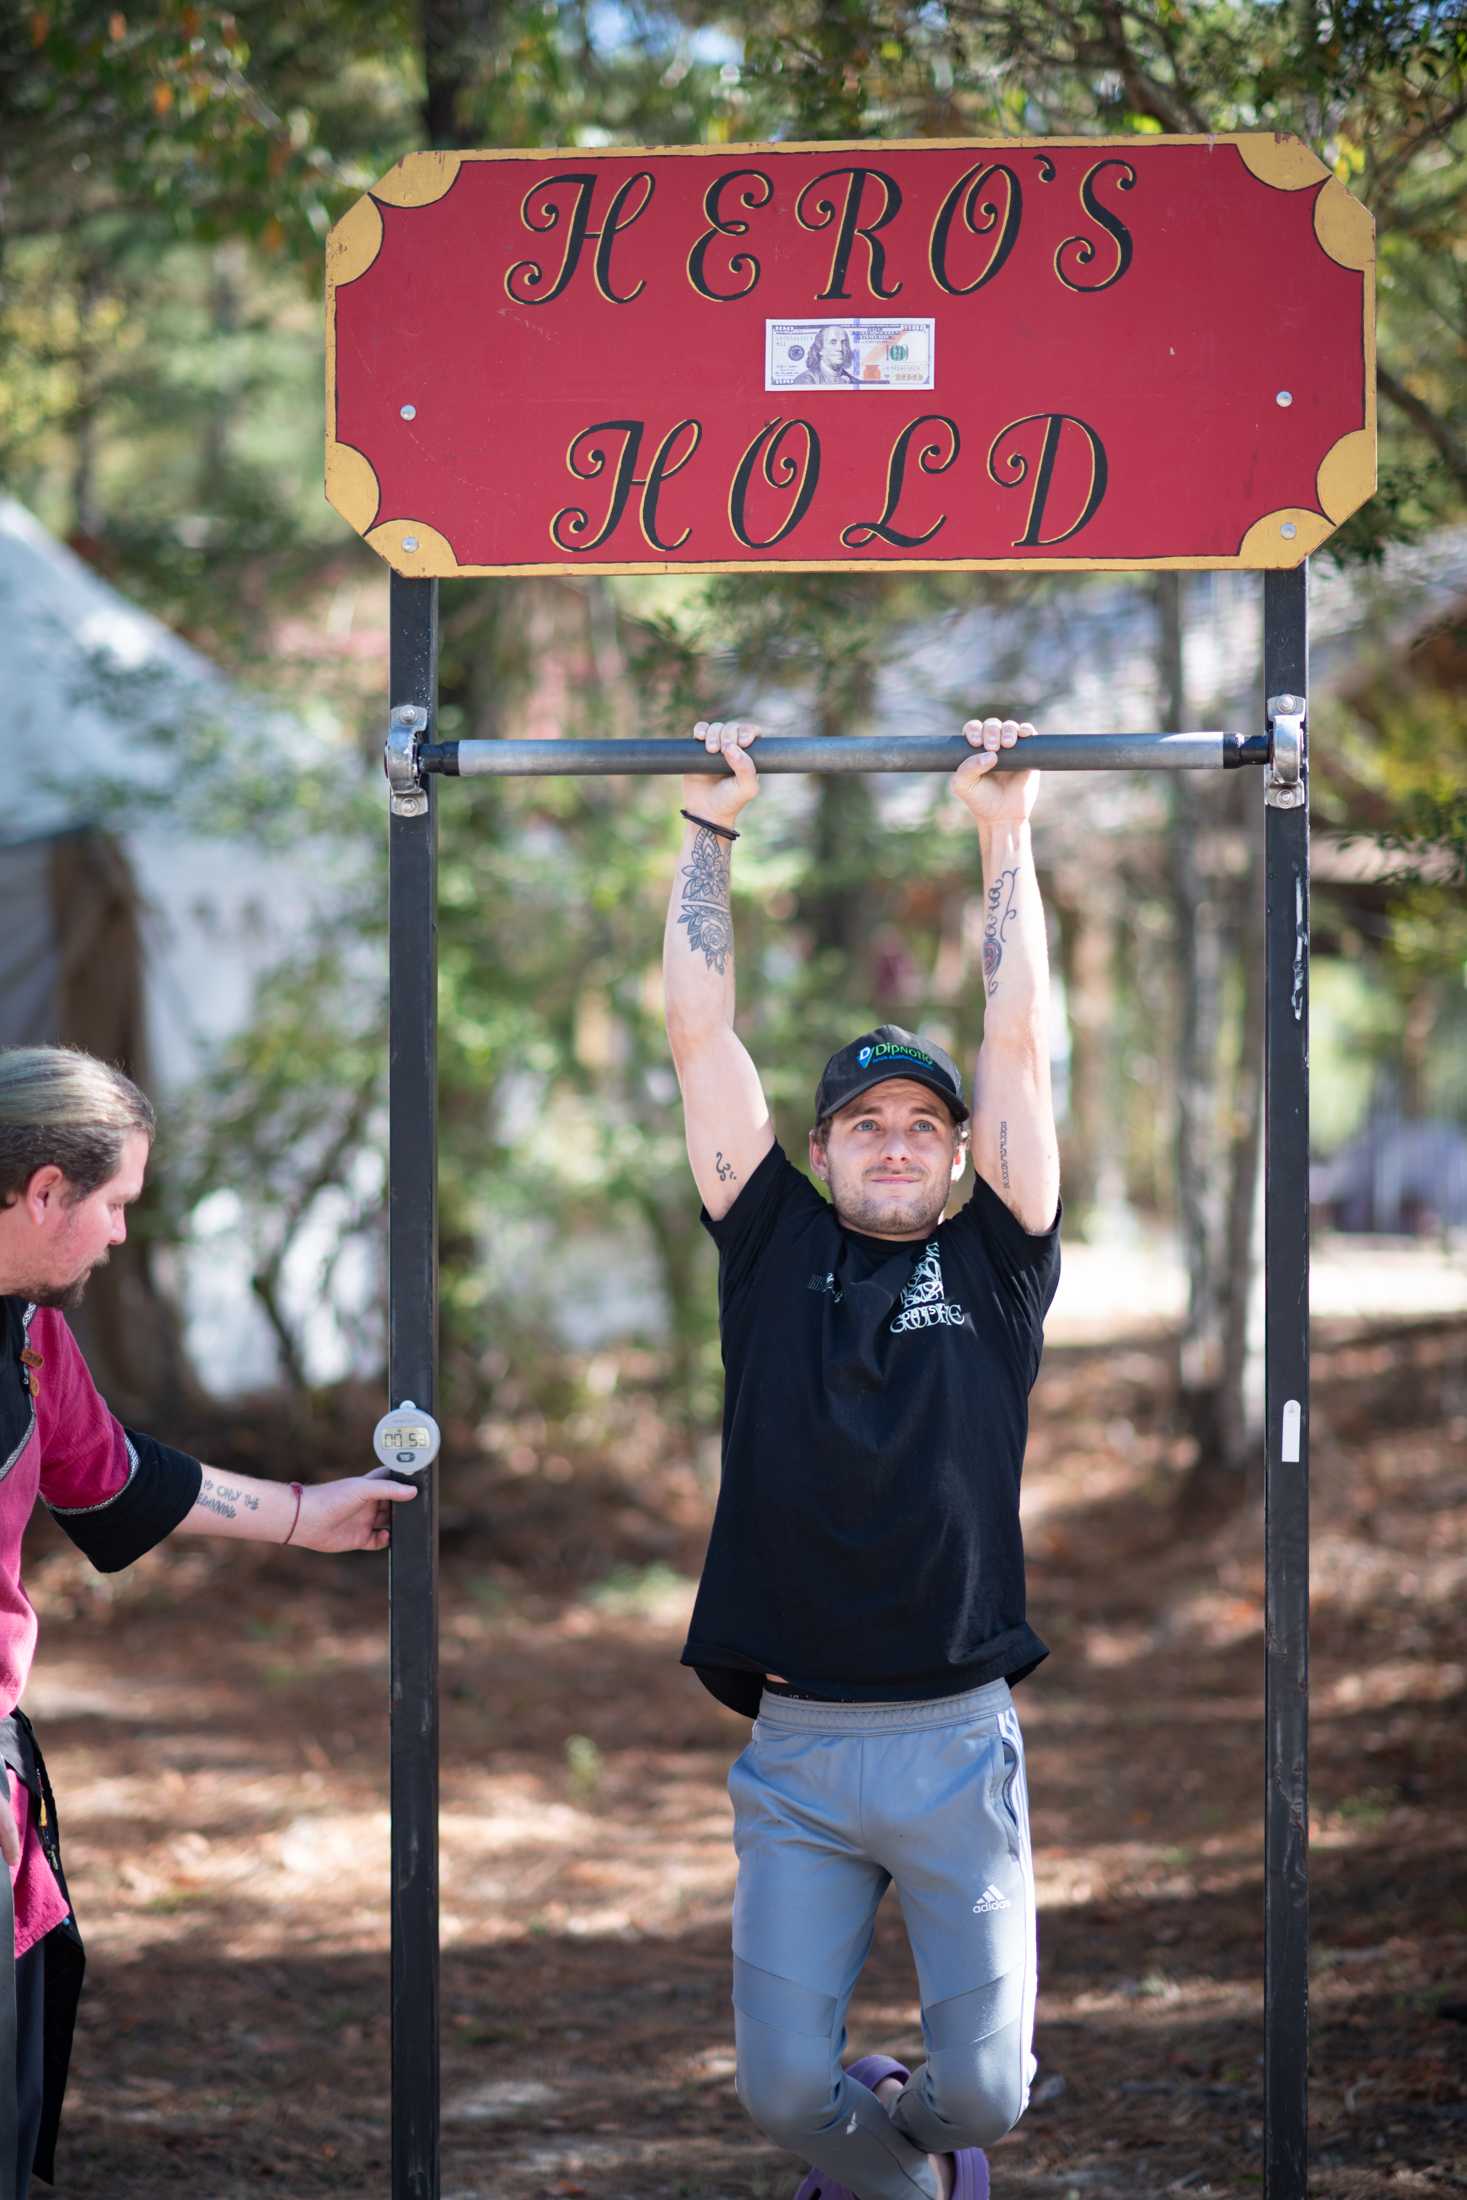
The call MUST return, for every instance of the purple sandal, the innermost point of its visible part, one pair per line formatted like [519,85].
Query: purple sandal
[971,2181]
[971,2165]
[870,2070]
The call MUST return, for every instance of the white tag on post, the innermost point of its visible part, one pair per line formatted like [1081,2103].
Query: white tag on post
[1293,1428]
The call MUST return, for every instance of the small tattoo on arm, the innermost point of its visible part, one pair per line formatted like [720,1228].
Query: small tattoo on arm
[215,1499]
[705,910]
[1003,1153]
[726,1170]
[998,916]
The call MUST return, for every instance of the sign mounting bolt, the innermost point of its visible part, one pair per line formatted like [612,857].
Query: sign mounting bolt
[410,412]
[1284,397]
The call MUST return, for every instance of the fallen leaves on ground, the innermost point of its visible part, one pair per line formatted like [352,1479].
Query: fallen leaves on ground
[216,1723]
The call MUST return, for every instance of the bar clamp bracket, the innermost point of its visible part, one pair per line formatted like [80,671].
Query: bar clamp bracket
[405,729]
[1284,786]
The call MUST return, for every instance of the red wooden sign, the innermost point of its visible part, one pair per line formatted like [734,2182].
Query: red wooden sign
[1047,353]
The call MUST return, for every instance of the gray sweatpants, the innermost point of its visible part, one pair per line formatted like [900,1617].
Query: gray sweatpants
[832,1803]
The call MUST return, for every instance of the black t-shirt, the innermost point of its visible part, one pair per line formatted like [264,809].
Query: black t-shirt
[866,1543]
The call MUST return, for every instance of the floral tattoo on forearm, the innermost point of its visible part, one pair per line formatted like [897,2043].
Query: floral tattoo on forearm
[705,910]
[998,915]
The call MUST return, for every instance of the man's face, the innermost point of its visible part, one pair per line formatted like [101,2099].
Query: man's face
[890,1160]
[67,1239]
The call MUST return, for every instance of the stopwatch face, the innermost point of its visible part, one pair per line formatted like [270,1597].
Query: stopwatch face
[407,1439]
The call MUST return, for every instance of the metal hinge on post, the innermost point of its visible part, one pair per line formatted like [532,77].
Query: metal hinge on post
[1284,788]
[407,725]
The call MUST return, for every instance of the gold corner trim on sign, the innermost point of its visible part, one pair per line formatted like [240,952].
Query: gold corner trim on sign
[1283,162]
[419,179]
[352,487]
[1347,475]
[432,556]
[353,244]
[1266,548]
[1344,227]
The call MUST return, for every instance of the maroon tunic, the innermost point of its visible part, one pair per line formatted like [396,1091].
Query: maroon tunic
[115,1492]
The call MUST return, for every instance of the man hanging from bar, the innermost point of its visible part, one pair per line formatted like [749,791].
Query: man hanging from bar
[863,1592]
[75,1139]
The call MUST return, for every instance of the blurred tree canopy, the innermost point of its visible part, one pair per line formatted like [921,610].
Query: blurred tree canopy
[169,174]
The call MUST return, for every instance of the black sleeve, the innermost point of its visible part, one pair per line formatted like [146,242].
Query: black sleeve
[743,1234]
[158,1494]
[1026,1262]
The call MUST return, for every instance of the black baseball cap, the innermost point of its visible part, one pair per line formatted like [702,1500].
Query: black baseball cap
[877,1057]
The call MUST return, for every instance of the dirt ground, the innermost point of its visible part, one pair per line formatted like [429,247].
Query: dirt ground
[216,1726]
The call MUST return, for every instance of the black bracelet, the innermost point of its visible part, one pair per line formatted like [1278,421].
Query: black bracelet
[708,825]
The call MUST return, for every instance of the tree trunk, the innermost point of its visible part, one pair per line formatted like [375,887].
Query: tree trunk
[88,518]
[1086,928]
[1418,1025]
[225,286]
[1196,948]
[1240,1414]
[129,1328]
[835,897]
[677,1249]
[458,36]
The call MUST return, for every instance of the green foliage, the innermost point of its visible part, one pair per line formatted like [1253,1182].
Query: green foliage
[170,172]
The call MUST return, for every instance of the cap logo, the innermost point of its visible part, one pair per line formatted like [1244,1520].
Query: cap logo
[889,1051]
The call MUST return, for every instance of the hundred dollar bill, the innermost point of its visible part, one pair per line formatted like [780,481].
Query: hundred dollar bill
[848,355]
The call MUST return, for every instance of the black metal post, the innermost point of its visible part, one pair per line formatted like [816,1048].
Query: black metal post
[1286,1386]
[412,1372]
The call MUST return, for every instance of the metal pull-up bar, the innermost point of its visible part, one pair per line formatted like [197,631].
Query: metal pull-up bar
[874,752]
[415,762]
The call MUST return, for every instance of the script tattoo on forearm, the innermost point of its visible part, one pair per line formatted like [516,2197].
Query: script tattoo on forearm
[728,1174]
[998,916]
[1003,1153]
[705,910]
[218,1497]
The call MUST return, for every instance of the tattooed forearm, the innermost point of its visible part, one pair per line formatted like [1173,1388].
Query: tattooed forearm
[1003,1153]
[222,1498]
[998,915]
[728,1174]
[239,1497]
[705,910]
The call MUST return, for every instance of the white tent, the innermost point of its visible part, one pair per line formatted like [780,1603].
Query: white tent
[97,696]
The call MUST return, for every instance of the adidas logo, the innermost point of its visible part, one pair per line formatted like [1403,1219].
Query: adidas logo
[991,1899]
